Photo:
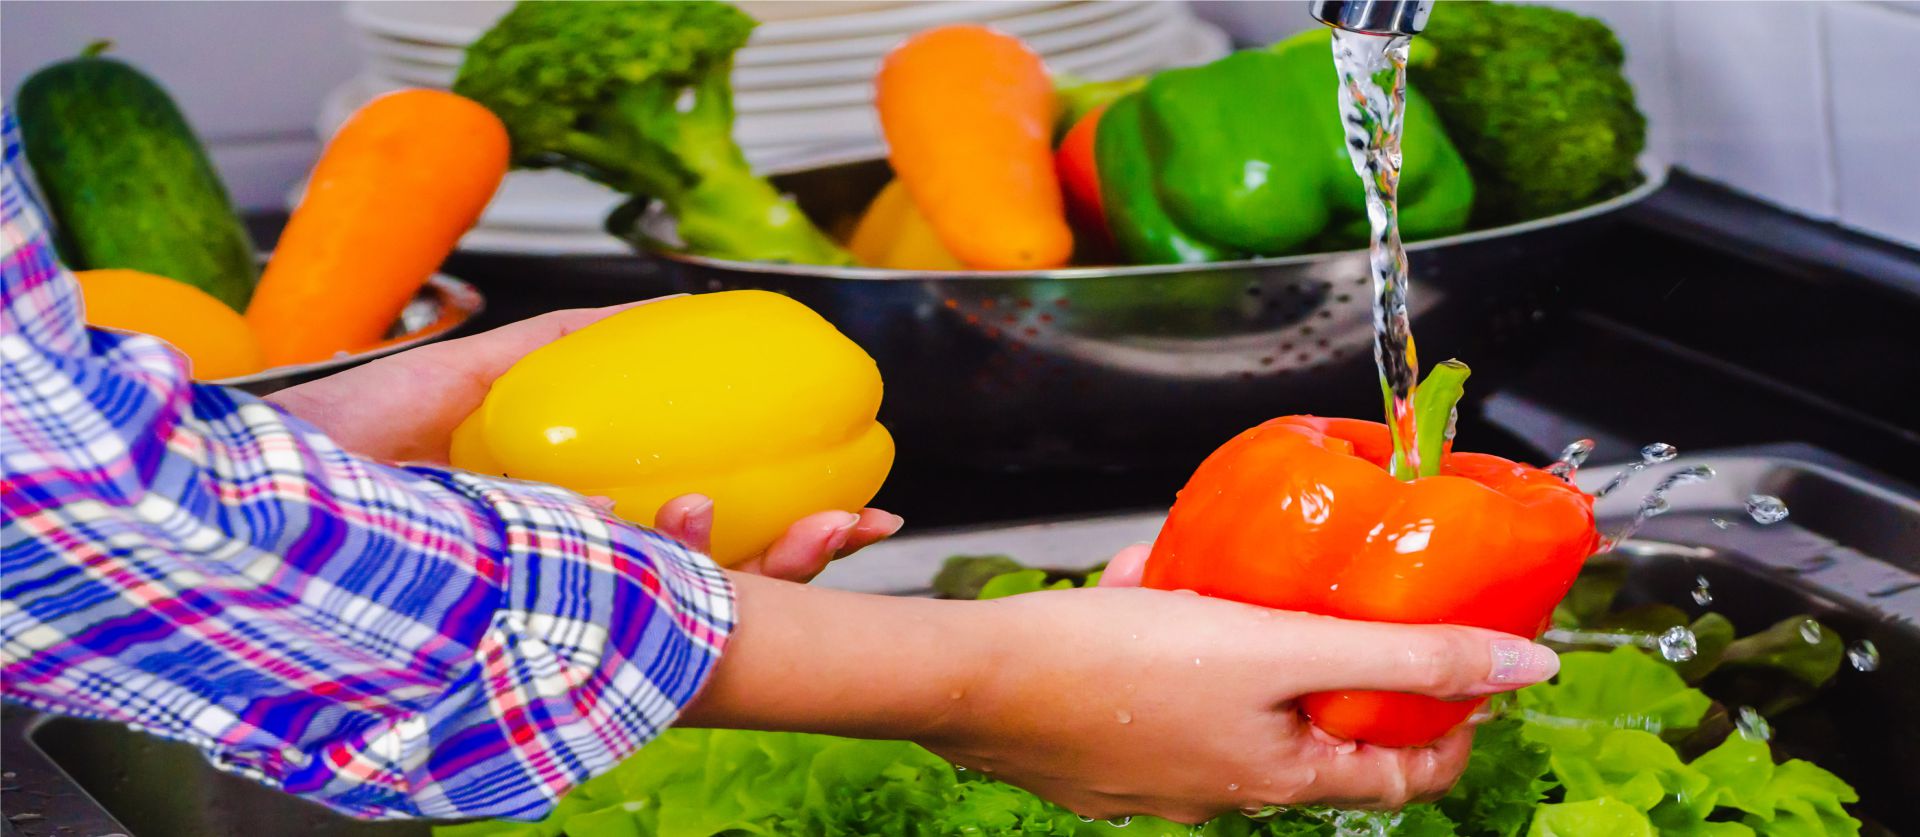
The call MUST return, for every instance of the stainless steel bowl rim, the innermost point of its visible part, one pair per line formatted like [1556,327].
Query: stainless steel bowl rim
[1652,170]
[440,284]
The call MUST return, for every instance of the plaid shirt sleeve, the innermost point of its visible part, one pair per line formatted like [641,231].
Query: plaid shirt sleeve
[390,641]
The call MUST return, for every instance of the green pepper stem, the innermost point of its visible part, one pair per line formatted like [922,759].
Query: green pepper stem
[94,49]
[1433,406]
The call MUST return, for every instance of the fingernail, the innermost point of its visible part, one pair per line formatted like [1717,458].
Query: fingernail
[700,522]
[892,524]
[839,537]
[1517,662]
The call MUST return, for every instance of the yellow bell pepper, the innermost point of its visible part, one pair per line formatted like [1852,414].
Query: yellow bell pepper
[747,397]
[894,234]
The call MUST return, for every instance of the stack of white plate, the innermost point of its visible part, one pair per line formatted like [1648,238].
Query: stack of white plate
[803,84]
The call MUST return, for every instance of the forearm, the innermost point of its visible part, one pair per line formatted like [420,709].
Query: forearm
[807,659]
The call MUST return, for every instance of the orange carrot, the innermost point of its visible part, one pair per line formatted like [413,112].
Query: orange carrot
[394,190]
[968,115]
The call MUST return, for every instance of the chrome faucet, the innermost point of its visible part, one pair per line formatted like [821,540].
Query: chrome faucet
[1374,17]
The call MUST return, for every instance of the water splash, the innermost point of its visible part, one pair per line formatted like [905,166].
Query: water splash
[1721,523]
[1571,458]
[1751,725]
[1655,503]
[1810,631]
[1373,85]
[1766,509]
[1864,656]
[1652,454]
[1702,591]
[1678,644]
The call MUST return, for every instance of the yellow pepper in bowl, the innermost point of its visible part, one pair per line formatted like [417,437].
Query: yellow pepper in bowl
[747,397]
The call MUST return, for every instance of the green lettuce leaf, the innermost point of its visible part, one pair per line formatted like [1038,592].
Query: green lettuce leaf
[1021,581]
[1591,818]
[1623,686]
[1505,780]
[962,576]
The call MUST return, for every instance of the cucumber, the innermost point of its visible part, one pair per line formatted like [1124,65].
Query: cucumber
[127,183]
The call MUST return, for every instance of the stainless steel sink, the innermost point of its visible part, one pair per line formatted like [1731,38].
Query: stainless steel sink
[1849,555]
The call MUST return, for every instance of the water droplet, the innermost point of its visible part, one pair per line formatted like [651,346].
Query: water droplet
[1196,661]
[1697,473]
[1658,452]
[1233,786]
[1678,644]
[956,694]
[1084,819]
[1752,726]
[1863,656]
[1120,822]
[1571,458]
[1766,510]
[1620,479]
[1702,591]
[960,767]
[1123,716]
[1720,523]
[1810,631]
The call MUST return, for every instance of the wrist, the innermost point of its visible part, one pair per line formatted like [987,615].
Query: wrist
[824,661]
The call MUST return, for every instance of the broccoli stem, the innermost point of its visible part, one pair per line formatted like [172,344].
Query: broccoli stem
[738,215]
[687,161]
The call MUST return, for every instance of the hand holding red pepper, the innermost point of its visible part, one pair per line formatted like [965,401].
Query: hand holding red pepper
[1302,514]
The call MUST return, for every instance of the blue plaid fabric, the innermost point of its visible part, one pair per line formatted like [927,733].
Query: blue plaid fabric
[390,641]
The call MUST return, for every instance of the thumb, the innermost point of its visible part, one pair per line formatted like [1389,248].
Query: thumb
[1443,661]
[1127,566]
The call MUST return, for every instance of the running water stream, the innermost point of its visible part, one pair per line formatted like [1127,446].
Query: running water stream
[1373,104]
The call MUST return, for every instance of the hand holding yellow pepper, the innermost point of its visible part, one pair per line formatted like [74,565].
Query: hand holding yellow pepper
[746,397]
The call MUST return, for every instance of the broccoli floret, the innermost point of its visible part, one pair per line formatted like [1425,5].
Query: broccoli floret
[1535,100]
[635,95]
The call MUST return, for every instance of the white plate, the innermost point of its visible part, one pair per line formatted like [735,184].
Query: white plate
[1019,22]
[452,23]
[827,83]
[517,242]
[1132,18]
[382,36]
[456,23]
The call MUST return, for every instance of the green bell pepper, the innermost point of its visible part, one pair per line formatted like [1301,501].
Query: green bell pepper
[1247,156]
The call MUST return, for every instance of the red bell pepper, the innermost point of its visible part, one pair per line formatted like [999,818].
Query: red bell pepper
[1302,514]
[1080,180]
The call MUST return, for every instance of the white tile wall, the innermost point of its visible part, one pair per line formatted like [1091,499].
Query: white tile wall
[1806,104]
[1873,60]
[1750,100]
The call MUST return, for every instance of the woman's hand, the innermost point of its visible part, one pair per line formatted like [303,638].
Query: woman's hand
[1112,702]
[1116,702]
[799,554]
[404,407]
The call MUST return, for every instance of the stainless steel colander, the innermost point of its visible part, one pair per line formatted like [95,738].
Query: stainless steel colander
[1126,366]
